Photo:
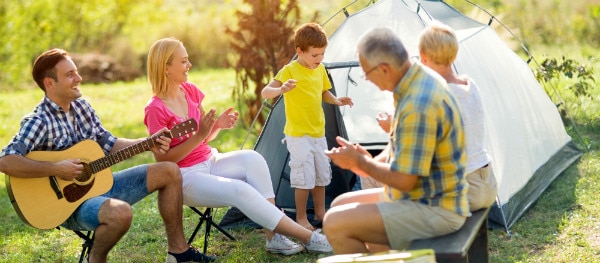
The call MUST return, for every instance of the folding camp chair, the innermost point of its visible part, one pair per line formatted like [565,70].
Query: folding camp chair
[207,218]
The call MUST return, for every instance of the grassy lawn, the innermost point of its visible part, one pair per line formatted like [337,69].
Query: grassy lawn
[562,226]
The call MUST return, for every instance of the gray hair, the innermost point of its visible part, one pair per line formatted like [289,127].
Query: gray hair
[382,45]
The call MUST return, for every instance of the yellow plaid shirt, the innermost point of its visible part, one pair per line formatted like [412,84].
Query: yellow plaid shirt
[428,142]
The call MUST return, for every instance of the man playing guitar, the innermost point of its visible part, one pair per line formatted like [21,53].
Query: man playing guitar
[62,120]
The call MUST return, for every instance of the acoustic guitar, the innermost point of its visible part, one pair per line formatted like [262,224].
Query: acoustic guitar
[46,202]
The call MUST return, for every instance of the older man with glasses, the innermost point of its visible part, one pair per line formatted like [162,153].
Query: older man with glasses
[422,167]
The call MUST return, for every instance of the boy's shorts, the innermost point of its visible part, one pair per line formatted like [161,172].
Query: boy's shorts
[309,166]
[129,185]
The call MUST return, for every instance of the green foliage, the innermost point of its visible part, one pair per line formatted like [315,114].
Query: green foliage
[551,72]
[571,86]
[123,29]
[33,26]
[551,22]
[200,25]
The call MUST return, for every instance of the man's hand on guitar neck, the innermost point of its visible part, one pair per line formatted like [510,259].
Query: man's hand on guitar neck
[164,142]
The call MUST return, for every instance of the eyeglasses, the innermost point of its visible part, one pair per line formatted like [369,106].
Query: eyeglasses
[366,73]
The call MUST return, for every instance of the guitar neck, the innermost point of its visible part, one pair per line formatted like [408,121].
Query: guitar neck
[125,153]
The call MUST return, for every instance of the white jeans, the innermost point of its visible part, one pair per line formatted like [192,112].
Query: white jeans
[240,179]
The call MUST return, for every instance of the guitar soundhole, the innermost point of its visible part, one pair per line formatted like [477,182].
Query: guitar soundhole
[74,192]
[81,185]
[85,176]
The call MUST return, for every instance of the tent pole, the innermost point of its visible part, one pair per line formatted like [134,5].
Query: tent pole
[252,124]
[499,204]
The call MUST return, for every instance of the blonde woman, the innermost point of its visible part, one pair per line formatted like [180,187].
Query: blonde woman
[239,178]
[438,47]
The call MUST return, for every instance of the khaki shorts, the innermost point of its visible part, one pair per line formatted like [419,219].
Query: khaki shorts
[309,166]
[482,188]
[405,221]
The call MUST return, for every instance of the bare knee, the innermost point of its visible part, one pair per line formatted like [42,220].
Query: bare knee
[170,170]
[340,200]
[331,222]
[124,214]
[162,174]
[116,214]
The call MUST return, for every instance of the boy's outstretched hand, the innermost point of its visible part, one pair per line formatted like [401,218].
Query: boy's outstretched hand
[342,101]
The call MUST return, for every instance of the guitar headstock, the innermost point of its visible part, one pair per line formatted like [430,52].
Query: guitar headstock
[185,128]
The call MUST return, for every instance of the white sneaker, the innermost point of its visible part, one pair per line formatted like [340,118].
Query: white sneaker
[318,243]
[280,244]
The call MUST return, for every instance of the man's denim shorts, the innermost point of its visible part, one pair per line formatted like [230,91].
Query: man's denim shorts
[129,185]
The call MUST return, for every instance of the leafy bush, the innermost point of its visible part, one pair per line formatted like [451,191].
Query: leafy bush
[552,71]
[569,83]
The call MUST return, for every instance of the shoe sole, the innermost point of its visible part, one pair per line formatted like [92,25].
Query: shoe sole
[319,251]
[286,252]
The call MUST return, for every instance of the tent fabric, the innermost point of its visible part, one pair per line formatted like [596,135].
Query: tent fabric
[525,134]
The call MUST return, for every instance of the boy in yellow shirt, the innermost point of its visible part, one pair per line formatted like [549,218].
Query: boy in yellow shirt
[305,86]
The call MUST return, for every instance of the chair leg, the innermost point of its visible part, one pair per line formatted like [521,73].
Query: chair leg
[202,218]
[88,238]
[206,217]
[208,214]
[222,230]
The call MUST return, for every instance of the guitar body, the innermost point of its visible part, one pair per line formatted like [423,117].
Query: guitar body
[37,203]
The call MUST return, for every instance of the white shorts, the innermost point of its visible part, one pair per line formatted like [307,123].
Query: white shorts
[309,166]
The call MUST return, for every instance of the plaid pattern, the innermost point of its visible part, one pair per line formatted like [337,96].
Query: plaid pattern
[429,142]
[47,128]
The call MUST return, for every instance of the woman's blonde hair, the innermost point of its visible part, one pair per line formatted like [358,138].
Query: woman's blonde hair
[439,43]
[159,56]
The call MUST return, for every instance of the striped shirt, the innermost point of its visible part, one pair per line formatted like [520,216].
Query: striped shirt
[48,128]
[428,141]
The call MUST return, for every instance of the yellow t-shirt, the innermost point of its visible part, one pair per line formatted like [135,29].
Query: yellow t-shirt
[304,104]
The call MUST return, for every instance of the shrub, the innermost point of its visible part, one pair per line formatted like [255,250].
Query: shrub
[566,78]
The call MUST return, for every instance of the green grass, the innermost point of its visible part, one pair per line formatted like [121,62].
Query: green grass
[562,226]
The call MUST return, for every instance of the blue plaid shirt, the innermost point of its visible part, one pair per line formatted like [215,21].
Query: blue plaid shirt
[47,128]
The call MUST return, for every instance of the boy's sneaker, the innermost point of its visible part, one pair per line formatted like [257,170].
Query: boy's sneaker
[190,255]
[318,243]
[280,244]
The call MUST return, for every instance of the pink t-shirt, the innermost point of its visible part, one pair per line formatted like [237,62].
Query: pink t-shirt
[157,116]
